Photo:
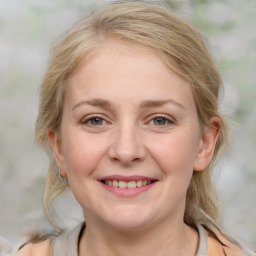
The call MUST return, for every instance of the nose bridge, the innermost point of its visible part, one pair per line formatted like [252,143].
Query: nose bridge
[127,146]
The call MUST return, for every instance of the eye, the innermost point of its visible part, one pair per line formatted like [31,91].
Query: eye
[94,121]
[161,121]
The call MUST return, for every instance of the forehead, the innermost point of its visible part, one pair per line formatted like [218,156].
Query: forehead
[128,70]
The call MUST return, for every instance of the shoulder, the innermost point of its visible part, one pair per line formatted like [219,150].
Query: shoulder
[5,246]
[43,248]
[219,244]
[64,242]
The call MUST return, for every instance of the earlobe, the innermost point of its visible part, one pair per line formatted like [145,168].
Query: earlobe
[55,141]
[207,145]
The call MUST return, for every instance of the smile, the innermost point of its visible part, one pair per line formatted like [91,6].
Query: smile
[127,184]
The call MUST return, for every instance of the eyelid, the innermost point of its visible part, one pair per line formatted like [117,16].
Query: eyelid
[87,118]
[167,117]
[170,120]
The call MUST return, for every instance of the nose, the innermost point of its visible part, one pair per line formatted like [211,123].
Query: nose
[127,147]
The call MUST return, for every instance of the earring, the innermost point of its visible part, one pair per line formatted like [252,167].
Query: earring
[62,177]
[60,174]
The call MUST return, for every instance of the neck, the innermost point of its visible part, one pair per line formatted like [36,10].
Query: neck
[159,240]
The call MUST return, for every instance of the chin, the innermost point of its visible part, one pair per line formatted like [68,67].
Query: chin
[129,219]
[130,225]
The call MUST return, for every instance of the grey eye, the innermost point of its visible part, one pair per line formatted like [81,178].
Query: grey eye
[160,121]
[96,121]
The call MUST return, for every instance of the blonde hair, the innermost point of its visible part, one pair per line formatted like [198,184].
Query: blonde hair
[178,44]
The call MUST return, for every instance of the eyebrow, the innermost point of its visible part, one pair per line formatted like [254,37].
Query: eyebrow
[144,104]
[159,103]
[94,102]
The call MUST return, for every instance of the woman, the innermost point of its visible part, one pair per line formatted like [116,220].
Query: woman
[129,117]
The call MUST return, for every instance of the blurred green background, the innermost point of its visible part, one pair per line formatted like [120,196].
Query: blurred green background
[29,29]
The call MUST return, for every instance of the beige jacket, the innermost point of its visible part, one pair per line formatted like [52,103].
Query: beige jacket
[217,246]
[220,246]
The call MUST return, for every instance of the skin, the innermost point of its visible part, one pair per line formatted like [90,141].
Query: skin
[133,134]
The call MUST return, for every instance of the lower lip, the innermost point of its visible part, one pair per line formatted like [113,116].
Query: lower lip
[128,192]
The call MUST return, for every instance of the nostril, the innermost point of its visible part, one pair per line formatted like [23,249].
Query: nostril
[126,149]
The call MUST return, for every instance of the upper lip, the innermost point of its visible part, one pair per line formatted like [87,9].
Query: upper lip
[127,178]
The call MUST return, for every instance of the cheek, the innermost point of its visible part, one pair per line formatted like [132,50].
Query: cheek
[175,154]
[82,154]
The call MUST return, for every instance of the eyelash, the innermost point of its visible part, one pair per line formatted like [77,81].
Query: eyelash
[167,120]
[88,121]
[90,118]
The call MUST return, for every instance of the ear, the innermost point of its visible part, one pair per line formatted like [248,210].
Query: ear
[56,143]
[207,145]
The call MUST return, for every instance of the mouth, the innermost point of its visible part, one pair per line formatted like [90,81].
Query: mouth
[127,184]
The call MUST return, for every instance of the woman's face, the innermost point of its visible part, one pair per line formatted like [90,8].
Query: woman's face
[130,138]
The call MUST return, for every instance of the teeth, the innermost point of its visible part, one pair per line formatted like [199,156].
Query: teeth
[129,184]
[122,184]
[115,183]
[139,183]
